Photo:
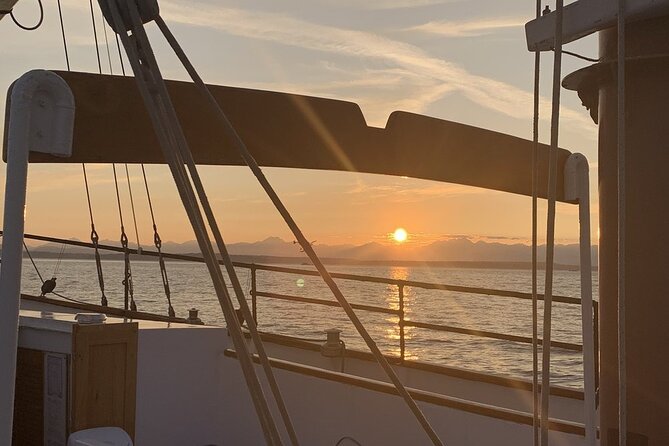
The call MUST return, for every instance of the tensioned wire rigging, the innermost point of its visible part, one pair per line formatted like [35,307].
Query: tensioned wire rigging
[49,285]
[176,151]
[95,238]
[128,288]
[550,223]
[40,20]
[275,198]
[157,241]
[535,190]
[127,281]
[172,142]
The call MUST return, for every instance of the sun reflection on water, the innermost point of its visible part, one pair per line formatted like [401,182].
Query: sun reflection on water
[392,300]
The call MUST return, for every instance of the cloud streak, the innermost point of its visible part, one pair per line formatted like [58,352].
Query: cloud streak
[282,29]
[471,28]
[399,4]
[401,193]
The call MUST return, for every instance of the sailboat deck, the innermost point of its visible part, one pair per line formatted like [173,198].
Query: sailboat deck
[188,375]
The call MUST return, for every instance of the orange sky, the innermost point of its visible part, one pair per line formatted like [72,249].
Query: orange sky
[470,67]
[331,207]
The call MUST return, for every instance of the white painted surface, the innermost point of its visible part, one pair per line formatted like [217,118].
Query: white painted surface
[577,186]
[190,393]
[100,436]
[41,118]
[563,408]
[55,399]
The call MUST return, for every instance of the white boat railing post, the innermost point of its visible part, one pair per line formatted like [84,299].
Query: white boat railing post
[577,188]
[41,119]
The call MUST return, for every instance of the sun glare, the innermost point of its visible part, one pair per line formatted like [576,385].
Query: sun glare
[400,235]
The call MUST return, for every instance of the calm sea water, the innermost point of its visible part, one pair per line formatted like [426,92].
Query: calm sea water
[191,287]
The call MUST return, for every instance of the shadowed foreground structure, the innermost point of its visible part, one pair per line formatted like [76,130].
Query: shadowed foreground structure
[289,130]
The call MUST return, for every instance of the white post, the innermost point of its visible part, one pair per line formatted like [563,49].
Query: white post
[41,119]
[577,187]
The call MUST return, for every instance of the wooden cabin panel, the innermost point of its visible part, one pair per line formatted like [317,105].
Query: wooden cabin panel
[104,376]
[29,398]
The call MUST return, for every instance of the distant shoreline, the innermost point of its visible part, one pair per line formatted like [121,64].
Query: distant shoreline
[303,261]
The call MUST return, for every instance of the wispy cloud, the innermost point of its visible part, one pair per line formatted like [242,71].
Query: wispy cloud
[278,28]
[401,4]
[471,28]
[379,5]
[376,91]
[401,193]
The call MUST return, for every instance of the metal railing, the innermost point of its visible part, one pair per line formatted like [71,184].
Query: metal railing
[401,284]
[403,322]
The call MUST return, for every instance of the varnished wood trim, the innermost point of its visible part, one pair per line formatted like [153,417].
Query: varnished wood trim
[138,315]
[104,376]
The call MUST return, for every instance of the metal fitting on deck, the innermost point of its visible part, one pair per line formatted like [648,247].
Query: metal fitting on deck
[333,346]
[193,318]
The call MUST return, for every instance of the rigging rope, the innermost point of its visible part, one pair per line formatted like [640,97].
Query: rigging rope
[550,224]
[70,299]
[172,141]
[128,292]
[23,27]
[622,341]
[47,285]
[94,234]
[104,28]
[56,268]
[120,56]
[535,186]
[158,244]
[33,262]
[95,239]
[95,36]
[580,56]
[304,243]
[62,31]
[132,207]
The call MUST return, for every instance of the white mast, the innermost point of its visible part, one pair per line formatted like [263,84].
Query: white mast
[41,119]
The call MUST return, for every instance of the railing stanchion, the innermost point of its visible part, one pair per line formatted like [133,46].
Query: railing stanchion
[254,298]
[595,323]
[401,319]
[401,284]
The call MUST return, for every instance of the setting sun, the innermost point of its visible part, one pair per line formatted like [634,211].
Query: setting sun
[400,235]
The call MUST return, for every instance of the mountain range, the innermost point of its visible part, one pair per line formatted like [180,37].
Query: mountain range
[455,249]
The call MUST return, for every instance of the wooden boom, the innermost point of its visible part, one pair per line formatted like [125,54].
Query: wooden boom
[295,131]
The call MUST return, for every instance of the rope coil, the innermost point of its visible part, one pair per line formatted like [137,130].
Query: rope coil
[24,27]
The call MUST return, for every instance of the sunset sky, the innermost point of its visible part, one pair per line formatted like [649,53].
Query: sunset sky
[461,60]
